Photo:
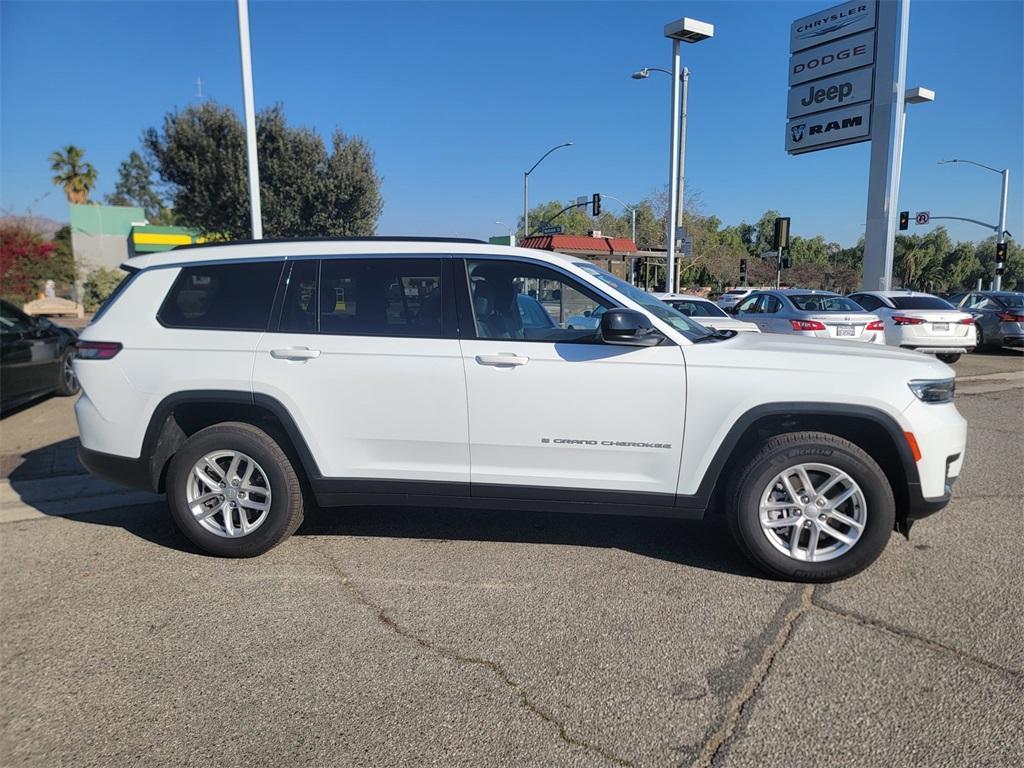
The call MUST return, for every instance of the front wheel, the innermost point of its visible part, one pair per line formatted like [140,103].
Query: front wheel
[948,358]
[233,492]
[810,506]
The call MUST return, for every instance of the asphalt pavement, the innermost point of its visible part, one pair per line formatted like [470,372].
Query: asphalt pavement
[383,637]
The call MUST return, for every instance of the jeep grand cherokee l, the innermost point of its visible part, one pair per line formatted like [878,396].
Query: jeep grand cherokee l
[245,380]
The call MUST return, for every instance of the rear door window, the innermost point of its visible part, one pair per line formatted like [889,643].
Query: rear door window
[380,297]
[223,297]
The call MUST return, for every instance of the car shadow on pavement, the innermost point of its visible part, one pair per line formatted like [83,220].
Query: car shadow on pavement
[705,544]
[48,478]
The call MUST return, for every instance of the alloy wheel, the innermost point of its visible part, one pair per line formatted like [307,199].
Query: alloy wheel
[228,493]
[813,512]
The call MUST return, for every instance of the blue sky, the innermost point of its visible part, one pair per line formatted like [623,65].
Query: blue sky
[458,99]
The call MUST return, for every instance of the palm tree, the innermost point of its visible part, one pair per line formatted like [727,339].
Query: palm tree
[73,174]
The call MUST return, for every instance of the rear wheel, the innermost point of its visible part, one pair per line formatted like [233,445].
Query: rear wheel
[980,343]
[67,383]
[233,492]
[948,358]
[811,506]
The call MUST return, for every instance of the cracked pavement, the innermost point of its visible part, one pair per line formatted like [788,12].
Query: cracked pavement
[379,637]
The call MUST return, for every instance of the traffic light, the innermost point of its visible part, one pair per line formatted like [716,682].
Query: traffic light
[904,220]
[999,268]
[595,204]
[781,240]
[1000,252]
[784,261]
[743,271]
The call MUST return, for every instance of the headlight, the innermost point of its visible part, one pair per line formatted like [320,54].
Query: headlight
[933,390]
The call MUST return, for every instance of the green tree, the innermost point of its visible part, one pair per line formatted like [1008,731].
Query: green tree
[99,285]
[135,187]
[305,190]
[72,173]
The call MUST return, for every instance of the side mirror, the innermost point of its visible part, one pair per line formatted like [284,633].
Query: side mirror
[628,327]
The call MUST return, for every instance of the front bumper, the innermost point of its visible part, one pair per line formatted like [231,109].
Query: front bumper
[1013,342]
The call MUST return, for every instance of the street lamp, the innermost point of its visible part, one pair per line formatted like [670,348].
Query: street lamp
[643,74]
[511,235]
[632,211]
[683,30]
[1000,228]
[255,212]
[526,188]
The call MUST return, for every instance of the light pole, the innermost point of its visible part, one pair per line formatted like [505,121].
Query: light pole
[525,186]
[250,121]
[1000,228]
[511,234]
[643,74]
[680,31]
[629,208]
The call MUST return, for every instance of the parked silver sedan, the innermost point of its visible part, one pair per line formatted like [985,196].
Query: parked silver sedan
[822,314]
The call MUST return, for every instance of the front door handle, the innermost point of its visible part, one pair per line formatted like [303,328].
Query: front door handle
[502,359]
[295,353]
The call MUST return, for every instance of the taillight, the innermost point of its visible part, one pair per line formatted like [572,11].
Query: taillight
[904,320]
[97,350]
[967,321]
[875,325]
[1009,317]
[807,325]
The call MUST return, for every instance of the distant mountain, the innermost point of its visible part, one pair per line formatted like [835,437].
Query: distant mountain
[44,226]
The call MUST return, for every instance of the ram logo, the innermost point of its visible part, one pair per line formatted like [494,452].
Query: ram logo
[797,132]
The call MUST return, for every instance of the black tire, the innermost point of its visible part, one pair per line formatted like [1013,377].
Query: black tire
[787,450]
[980,345]
[286,503]
[950,359]
[67,382]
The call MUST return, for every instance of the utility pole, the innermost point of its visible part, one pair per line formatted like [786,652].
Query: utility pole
[250,121]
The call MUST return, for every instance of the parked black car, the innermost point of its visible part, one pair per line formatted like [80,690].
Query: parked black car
[35,358]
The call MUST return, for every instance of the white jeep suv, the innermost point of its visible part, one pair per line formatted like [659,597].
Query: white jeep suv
[247,380]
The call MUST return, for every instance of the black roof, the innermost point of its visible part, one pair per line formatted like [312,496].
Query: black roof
[374,239]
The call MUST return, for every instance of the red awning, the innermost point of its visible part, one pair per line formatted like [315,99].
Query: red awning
[609,245]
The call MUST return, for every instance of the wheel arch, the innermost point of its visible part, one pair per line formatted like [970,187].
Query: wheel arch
[873,430]
[180,415]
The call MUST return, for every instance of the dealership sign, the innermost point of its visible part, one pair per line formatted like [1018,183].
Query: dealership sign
[828,129]
[840,21]
[831,77]
[838,91]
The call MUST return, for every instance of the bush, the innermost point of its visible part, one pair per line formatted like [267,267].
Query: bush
[99,285]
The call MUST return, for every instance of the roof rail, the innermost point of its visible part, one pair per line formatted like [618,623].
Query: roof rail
[345,239]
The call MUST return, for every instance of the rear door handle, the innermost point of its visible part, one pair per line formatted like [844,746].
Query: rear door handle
[295,353]
[503,359]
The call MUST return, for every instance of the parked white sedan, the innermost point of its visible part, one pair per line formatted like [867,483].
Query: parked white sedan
[922,321]
[705,312]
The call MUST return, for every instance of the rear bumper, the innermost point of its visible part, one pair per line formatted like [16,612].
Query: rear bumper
[931,349]
[133,473]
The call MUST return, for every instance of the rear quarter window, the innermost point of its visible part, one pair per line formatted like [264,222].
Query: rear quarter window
[225,297]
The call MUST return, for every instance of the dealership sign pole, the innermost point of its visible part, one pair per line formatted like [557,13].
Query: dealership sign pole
[887,124]
[846,80]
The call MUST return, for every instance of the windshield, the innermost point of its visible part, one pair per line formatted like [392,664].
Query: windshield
[695,308]
[919,302]
[736,292]
[1014,300]
[656,307]
[812,302]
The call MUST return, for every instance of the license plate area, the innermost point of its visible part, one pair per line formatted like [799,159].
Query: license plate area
[845,330]
[940,327]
